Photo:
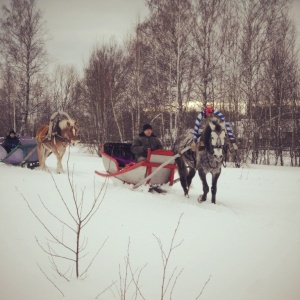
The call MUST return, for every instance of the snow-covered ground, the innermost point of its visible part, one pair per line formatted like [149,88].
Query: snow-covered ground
[247,246]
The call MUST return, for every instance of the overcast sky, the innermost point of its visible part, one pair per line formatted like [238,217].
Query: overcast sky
[76,26]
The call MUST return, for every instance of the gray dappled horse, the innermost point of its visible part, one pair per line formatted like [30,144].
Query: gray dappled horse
[208,157]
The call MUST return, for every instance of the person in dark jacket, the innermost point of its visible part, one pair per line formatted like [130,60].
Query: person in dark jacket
[11,141]
[145,140]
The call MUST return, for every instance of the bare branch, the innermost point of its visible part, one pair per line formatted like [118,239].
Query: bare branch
[203,288]
[94,257]
[165,261]
[108,288]
[51,281]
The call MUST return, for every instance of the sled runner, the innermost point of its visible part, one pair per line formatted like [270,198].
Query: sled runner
[24,154]
[118,161]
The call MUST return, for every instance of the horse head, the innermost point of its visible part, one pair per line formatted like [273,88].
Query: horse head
[216,140]
[69,131]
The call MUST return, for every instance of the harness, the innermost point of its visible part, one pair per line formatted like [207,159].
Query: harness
[211,148]
[53,131]
[207,112]
[44,135]
[50,127]
[210,111]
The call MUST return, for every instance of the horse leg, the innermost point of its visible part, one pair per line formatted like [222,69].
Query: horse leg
[190,176]
[59,165]
[215,178]
[59,159]
[41,156]
[182,171]
[205,187]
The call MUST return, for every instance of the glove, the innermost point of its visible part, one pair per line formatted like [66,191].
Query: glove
[145,148]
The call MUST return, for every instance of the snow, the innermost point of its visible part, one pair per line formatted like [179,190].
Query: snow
[247,246]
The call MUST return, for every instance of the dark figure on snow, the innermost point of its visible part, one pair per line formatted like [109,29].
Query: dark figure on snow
[145,140]
[11,141]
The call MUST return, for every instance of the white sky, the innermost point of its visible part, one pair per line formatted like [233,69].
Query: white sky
[76,26]
[296,14]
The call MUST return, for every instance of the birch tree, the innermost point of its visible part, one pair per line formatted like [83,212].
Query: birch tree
[281,79]
[169,30]
[105,81]
[22,40]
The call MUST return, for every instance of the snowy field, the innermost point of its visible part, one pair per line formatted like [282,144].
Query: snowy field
[247,246]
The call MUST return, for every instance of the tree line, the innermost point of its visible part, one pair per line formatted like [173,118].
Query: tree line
[240,56]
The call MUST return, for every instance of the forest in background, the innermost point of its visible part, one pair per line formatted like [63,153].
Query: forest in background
[240,56]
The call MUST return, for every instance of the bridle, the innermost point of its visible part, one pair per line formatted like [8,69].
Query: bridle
[65,139]
[218,145]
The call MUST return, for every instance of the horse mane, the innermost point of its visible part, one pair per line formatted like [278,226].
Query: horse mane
[218,128]
[63,124]
[205,136]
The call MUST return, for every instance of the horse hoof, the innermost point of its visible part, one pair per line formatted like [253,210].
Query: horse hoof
[187,195]
[201,199]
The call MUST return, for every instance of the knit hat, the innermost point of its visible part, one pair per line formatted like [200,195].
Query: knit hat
[12,131]
[147,126]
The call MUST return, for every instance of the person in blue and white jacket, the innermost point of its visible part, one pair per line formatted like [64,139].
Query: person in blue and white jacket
[208,111]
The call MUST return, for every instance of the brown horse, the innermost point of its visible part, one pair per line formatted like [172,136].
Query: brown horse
[57,142]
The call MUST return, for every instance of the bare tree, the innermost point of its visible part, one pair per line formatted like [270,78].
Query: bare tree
[135,92]
[253,59]
[105,82]
[58,246]
[7,102]
[22,41]
[281,79]
[64,79]
[208,45]
[168,32]
[169,281]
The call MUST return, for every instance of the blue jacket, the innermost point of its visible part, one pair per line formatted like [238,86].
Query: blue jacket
[10,143]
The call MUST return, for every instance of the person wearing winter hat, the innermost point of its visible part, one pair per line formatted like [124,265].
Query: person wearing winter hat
[11,141]
[145,140]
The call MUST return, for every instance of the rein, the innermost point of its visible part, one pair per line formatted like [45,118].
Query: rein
[64,139]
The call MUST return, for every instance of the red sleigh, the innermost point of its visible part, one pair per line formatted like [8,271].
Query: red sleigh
[159,167]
